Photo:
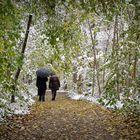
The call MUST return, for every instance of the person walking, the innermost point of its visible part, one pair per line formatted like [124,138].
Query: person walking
[54,85]
[41,85]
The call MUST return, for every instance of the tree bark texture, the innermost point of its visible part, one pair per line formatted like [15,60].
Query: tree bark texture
[22,54]
[95,68]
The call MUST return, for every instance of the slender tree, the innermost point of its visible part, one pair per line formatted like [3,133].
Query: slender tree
[22,56]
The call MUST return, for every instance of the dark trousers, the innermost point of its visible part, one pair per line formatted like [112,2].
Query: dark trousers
[41,94]
[41,97]
[53,94]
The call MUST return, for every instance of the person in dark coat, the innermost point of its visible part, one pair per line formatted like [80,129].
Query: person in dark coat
[41,84]
[54,85]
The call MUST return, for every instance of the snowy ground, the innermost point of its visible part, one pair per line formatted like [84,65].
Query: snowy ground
[93,99]
[20,106]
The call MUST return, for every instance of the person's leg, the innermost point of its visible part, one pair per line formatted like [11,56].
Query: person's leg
[39,94]
[40,97]
[53,95]
[43,95]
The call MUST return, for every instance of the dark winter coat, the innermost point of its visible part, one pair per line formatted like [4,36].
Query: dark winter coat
[54,83]
[41,83]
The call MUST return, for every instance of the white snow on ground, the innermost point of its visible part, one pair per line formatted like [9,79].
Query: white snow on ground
[1,114]
[20,107]
[93,99]
[76,96]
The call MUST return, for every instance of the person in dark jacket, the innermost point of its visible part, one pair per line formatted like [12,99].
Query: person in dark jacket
[41,84]
[54,85]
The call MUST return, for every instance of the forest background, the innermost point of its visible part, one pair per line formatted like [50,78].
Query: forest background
[93,45]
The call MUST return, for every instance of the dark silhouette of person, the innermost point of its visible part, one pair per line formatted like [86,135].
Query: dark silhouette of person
[54,85]
[41,85]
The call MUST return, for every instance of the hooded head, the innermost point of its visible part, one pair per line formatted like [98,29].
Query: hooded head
[53,73]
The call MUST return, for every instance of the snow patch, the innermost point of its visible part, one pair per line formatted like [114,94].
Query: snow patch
[94,99]
[20,107]
[76,96]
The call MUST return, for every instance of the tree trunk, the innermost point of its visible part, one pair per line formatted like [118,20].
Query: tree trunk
[95,68]
[105,53]
[104,71]
[117,49]
[22,54]
[135,66]
[135,70]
